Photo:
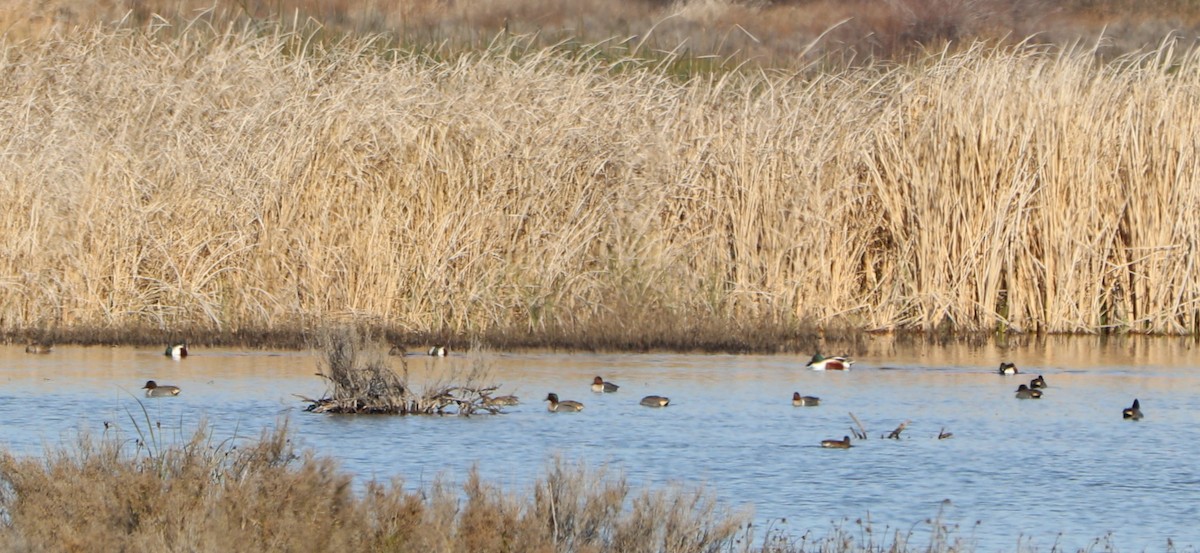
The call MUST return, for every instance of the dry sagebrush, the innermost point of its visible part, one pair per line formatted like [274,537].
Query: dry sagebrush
[263,496]
[251,179]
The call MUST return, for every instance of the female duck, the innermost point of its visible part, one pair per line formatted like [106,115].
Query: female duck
[804,401]
[821,363]
[177,350]
[600,386]
[153,389]
[1025,392]
[843,443]
[1038,382]
[567,406]
[1133,412]
[655,401]
[502,401]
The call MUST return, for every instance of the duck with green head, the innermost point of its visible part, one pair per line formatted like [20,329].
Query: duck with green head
[557,406]
[804,401]
[177,350]
[821,363]
[153,389]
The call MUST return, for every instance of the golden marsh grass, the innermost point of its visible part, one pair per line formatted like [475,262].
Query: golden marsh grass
[249,179]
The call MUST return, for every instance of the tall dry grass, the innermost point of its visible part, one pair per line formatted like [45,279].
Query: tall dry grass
[250,178]
[203,495]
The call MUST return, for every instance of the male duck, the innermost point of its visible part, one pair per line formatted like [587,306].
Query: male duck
[1025,392]
[843,443]
[1133,412]
[804,401]
[153,389]
[600,386]
[567,406]
[1008,368]
[821,363]
[438,351]
[655,401]
[1038,382]
[176,350]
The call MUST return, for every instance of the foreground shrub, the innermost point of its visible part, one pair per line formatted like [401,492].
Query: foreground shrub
[115,494]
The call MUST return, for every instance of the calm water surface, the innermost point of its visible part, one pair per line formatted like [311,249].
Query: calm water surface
[1065,469]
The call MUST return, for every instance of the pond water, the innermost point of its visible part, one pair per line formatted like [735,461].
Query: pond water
[1028,474]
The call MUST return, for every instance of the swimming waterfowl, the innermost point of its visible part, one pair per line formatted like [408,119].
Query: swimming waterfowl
[38,347]
[820,363]
[177,350]
[438,351]
[1008,368]
[502,401]
[807,401]
[1133,412]
[153,389]
[1025,392]
[567,406]
[843,443]
[600,386]
[655,401]
[1038,382]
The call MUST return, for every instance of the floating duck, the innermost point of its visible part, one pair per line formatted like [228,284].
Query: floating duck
[153,389]
[655,401]
[843,443]
[438,351]
[177,350]
[1025,392]
[1008,368]
[1038,382]
[1133,412]
[804,401]
[600,386]
[502,401]
[567,406]
[821,363]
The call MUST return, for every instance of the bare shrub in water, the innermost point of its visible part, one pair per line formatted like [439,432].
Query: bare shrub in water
[362,381]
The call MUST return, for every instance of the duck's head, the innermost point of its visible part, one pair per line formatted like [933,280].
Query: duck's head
[795,396]
[597,380]
[551,397]
[150,385]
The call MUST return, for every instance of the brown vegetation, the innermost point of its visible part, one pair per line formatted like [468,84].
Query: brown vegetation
[253,180]
[362,381]
[264,496]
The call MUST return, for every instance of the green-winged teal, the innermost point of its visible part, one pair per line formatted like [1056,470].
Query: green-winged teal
[804,401]
[821,363]
[843,443]
[501,401]
[655,401]
[1133,412]
[600,386]
[567,406]
[1025,392]
[153,389]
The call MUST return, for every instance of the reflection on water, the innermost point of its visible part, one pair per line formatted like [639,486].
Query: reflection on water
[1032,470]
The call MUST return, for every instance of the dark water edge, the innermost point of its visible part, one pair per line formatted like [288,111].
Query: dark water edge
[702,338]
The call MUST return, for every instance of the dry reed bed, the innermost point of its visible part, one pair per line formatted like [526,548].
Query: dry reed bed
[253,180]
